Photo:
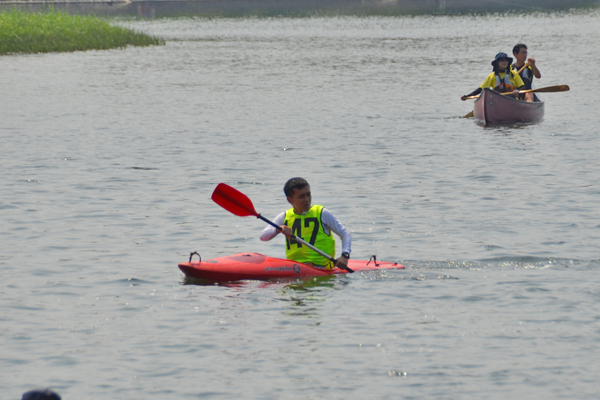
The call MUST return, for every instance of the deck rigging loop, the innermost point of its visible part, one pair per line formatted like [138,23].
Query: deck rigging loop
[374,259]
[192,255]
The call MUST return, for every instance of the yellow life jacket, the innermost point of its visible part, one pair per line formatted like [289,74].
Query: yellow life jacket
[309,227]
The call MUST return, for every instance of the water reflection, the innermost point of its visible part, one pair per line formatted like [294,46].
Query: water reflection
[301,297]
[304,298]
[237,284]
[293,284]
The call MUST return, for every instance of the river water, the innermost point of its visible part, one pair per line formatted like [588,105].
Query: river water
[109,158]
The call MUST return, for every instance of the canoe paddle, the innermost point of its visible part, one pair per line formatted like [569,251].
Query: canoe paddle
[523,68]
[547,89]
[239,204]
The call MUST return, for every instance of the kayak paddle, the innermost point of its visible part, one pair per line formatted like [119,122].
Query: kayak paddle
[239,204]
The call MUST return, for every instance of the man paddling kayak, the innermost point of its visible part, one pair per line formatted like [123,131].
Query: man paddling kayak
[311,223]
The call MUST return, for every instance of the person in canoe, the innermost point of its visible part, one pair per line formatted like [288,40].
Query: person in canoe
[314,224]
[526,68]
[503,79]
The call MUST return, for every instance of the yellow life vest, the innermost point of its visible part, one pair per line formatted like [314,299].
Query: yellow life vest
[309,227]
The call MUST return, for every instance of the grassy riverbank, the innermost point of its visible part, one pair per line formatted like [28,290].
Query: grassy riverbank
[24,32]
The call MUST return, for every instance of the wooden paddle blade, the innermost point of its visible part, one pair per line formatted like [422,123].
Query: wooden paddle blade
[547,89]
[233,201]
[550,89]
[469,115]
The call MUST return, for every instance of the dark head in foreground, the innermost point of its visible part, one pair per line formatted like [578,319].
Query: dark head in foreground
[46,394]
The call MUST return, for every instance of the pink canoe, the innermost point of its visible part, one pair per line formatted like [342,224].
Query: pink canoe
[254,266]
[492,108]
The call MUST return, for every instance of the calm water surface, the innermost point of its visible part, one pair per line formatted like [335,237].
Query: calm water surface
[109,159]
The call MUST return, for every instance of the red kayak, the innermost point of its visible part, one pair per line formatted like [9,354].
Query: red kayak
[254,266]
[492,108]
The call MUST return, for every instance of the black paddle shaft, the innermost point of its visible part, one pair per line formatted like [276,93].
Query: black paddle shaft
[303,242]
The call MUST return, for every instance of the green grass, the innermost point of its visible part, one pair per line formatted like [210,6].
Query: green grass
[24,32]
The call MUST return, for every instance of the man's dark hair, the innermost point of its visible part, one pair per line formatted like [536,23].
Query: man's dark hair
[40,395]
[518,48]
[293,184]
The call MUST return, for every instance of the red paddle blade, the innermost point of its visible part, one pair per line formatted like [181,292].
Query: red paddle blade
[233,201]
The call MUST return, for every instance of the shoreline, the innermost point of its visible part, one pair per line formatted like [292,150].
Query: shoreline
[269,8]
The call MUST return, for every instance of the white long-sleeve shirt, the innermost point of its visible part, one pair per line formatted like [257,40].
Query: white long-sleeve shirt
[330,224]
